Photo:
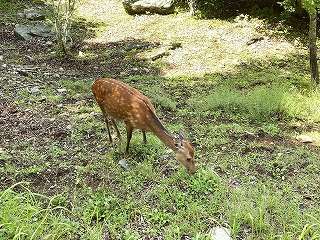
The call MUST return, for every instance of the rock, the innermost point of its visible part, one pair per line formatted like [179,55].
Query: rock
[42,99]
[20,15]
[174,45]
[304,139]
[49,43]
[23,72]
[124,164]
[42,30]
[61,90]
[27,32]
[33,15]
[296,125]
[254,40]
[154,54]
[159,52]
[221,233]
[22,32]
[34,90]
[153,6]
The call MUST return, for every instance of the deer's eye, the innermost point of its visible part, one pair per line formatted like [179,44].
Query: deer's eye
[189,159]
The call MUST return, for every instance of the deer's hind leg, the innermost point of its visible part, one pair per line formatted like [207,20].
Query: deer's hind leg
[108,128]
[144,136]
[116,128]
[129,135]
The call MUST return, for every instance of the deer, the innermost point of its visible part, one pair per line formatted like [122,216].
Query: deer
[120,102]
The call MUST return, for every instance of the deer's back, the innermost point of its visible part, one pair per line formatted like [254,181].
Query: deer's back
[122,102]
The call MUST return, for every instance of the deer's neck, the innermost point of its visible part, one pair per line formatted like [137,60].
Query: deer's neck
[165,137]
[161,132]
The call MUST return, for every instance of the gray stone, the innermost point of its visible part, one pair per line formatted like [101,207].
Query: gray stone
[27,32]
[304,138]
[61,90]
[33,15]
[153,6]
[124,164]
[22,31]
[160,52]
[42,30]
[221,233]
[34,90]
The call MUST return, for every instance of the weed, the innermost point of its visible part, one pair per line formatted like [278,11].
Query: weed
[56,152]
[311,231]
[22,216]
[4,155]
[203,184]
[98,206]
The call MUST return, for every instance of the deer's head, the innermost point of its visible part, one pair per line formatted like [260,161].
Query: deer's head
[185,152]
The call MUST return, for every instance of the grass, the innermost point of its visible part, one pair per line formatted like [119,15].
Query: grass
[264,188]
[260,104]
[60,178]
[32,216]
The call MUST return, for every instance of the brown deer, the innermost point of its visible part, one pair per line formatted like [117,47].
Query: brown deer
[119,101]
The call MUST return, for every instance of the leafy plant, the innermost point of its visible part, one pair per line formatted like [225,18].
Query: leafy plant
[203,183]
[98,206]
[311,230]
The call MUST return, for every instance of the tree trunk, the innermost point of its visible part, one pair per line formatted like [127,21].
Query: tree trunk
[313,48]
[192,6]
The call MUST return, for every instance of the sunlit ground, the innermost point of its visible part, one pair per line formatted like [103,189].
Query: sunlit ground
[239,41]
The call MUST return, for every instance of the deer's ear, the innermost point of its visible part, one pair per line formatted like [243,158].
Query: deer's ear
[182,136]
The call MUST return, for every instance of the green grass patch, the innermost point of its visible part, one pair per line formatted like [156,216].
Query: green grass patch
[162,99]
[28,215]
[260,104]
[9,9]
